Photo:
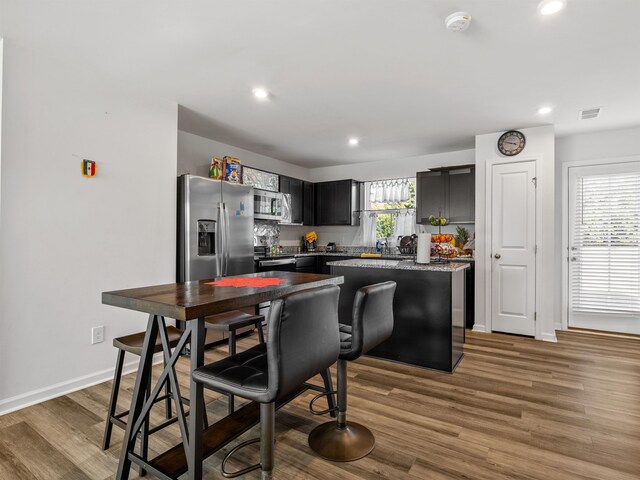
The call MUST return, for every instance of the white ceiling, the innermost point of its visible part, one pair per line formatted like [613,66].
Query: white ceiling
[386,71]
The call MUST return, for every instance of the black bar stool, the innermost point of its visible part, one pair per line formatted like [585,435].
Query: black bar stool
[372,323]
[133,344]
[302,341]
[230,323]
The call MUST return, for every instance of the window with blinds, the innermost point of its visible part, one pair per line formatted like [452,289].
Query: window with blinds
[606,245]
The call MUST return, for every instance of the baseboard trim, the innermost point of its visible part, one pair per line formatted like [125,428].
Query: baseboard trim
[40,395]
[479,328]
[549,337]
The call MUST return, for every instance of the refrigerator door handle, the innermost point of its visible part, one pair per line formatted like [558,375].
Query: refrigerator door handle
[219,240]
[227,240]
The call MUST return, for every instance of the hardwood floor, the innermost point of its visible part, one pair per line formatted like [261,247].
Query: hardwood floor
[514,409]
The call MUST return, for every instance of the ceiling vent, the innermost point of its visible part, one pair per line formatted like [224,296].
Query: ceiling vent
[589,113]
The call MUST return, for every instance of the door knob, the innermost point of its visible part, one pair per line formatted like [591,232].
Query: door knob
[497,255]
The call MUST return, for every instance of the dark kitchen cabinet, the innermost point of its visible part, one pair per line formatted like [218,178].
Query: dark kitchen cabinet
[294,187]
[446,192]
[431,195]
[469,291]
[336,203]
[306,264]
[308,204]
[462,195]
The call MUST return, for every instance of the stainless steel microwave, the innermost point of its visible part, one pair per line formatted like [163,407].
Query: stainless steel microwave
[273,206]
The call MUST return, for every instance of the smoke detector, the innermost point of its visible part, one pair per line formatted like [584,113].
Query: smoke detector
[458,22]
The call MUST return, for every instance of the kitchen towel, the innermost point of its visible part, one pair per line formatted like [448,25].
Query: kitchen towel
[424,248]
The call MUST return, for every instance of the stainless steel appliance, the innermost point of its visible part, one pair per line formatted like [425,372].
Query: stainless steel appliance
[286,264]
[215,228]
[272,206]
[266,263]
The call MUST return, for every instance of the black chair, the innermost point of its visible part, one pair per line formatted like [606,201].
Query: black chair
[133,344]
[302,341]
[372,323]
[230,323]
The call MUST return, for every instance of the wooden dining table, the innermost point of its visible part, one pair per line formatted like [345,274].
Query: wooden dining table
[192,302]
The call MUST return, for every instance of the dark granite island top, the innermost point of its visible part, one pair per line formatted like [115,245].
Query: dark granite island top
[400,265]
[428,308]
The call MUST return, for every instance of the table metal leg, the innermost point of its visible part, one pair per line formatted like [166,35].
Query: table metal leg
[172,379]
[144,433]
[232,351]
[137,400]
[196,415]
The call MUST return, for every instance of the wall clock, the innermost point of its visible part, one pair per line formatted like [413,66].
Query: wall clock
[511,143]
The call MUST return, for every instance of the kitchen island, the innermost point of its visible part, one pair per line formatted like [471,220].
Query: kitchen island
[428,308]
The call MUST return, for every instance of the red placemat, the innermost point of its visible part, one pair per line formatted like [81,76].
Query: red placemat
[256,282]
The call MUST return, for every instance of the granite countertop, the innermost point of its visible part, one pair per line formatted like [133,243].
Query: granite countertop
[400,265]
[357,254]
[349,254]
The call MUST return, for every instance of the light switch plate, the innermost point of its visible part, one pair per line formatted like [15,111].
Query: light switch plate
[97,334]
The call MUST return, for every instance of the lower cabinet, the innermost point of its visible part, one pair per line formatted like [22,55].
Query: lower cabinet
[306,264]
[470,295]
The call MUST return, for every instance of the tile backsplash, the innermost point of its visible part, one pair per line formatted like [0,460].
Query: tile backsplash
[291,235]
[265,233]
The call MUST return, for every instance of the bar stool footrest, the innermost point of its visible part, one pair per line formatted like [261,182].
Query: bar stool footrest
[228,456]
[319,396]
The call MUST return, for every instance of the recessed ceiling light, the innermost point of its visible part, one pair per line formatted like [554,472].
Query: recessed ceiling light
[354,141]
[549,7]
[260,93]
[544,110]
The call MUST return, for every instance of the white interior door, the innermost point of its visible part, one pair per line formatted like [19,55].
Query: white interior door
[513,248]
[604,247]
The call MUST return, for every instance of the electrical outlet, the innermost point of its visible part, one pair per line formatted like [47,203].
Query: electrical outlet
[97,334]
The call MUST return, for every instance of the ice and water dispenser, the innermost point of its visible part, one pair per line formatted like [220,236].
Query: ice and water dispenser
[206,237]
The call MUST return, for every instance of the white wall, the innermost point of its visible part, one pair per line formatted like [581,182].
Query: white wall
[394,168]
[64,238]
[1,63]
[195,152]
[603,145]
[540,145]
[597,145]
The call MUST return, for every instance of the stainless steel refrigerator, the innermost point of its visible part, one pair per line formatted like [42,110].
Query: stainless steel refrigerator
[215,228]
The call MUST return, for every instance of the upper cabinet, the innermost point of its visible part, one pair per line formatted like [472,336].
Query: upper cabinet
[294,187]
[326,203]
[337,203]
[446,192]
[431,195]
[462,195]
[308,205]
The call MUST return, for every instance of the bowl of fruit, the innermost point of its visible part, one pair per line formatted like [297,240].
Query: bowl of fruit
[438,221]
[442,244]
